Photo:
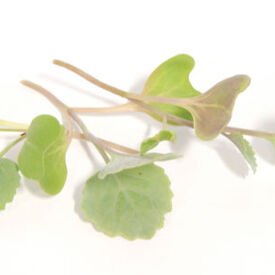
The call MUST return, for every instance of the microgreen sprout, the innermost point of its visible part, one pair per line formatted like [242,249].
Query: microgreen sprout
[130,195]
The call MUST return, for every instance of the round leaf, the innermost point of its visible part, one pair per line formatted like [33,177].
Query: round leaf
[131,203]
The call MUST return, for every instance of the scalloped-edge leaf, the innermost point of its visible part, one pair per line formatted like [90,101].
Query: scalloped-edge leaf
[9,181]
[131,203]
[152,142]
[42,157]
[245,148]
[171,79]
[121,162]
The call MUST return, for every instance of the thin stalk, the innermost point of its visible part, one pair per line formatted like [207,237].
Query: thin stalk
[115,146]
[127,107]
[115,90]
[139,99]
[55,101]
[254,133]
[12,130]
[13,124]
[9,146]
[89,78]
[98,144]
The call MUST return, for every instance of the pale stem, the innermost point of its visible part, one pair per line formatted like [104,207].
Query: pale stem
[128,107]
[12,130]
[140,98]
[8,147]
[97,143]
[13,124]
[89,77]
[109,143]
[55,101]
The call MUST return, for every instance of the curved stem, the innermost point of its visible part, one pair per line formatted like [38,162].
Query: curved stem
[89,77]
[55,101]
[139,99]
[9,146]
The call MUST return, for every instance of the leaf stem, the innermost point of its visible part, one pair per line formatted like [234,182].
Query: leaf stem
[139,100]
[90,78]
[55,101]
[13,129]
[97,143]
[13,124]
[109,143]
[127,107]
[248,132]
[9,146]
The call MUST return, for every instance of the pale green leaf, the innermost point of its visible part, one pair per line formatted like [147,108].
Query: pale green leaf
[245,149]
[9,181]
[121,162]
[131,203]
[42,157]
[171,79]
[152,142]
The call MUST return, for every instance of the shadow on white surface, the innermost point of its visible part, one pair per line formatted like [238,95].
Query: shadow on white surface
[263,147]
[230,157]
[77,200]
[34,188]
[183,138]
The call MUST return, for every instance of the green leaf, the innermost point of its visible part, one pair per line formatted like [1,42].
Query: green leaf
[122,162]
[171,79]
[42,157]
[131,203]
[152,142]
[9,181]
[245,149]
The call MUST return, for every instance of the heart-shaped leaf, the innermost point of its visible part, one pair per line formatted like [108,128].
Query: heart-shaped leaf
[212,110]
[42,157]
[171,79]
[131,203]
[9,181]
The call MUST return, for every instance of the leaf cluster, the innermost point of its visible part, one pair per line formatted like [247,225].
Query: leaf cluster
[130,195]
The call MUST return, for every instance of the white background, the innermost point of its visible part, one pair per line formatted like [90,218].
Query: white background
[223,218]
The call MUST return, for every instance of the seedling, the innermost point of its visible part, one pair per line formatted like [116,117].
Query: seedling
[130,196]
